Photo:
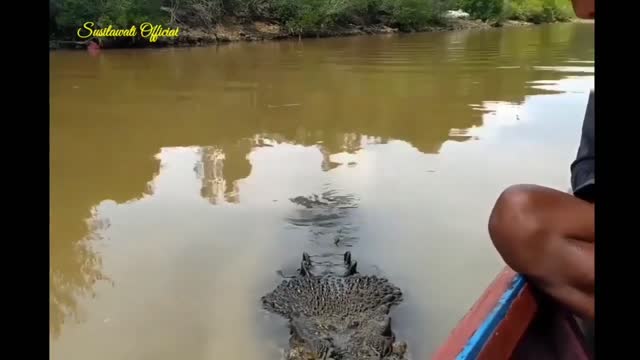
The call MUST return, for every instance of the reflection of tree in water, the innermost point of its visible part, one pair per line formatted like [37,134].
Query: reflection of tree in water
[327,164]
[429,93]
[72,276]
[220,168]
[388,88]
[209,170]
[86,169]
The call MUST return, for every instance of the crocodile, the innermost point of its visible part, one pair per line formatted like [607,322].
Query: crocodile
[337,315]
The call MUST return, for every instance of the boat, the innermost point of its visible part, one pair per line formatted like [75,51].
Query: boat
[511,320]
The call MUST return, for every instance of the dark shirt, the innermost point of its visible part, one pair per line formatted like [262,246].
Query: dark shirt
[583,178]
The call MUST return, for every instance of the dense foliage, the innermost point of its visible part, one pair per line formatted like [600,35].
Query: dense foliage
[536,11]
[298,16]
[483,9]
[539,11]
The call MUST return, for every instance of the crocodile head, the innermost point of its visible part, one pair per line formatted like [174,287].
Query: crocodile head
[339,317]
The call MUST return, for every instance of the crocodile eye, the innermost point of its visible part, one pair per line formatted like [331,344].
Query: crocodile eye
[389,348]
[386,346]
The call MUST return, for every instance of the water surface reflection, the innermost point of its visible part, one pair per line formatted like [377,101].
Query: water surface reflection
[172,174]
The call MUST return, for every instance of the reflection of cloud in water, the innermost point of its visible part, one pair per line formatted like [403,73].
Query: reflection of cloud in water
[541,122]
[567,69]
[509,116]
[327,226]
[571,84]
[221,167]
[327,218]
[499,114]
[580,62]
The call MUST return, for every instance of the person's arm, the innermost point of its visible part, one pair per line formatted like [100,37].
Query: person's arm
[583,167]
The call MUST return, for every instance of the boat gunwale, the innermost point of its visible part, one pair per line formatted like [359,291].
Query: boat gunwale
[475,330]
[481,336]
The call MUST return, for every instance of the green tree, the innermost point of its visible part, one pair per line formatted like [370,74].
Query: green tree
[483,9]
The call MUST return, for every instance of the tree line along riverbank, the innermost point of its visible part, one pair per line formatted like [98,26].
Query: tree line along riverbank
[73,23]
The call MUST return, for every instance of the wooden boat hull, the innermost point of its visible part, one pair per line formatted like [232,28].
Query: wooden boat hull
[512,321]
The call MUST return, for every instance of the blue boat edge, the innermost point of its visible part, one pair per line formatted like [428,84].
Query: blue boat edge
[484,332]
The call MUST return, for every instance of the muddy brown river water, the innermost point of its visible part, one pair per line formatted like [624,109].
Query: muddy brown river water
[172,172]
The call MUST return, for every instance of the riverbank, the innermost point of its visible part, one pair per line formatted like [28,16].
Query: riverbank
[261,31]
[230,31]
